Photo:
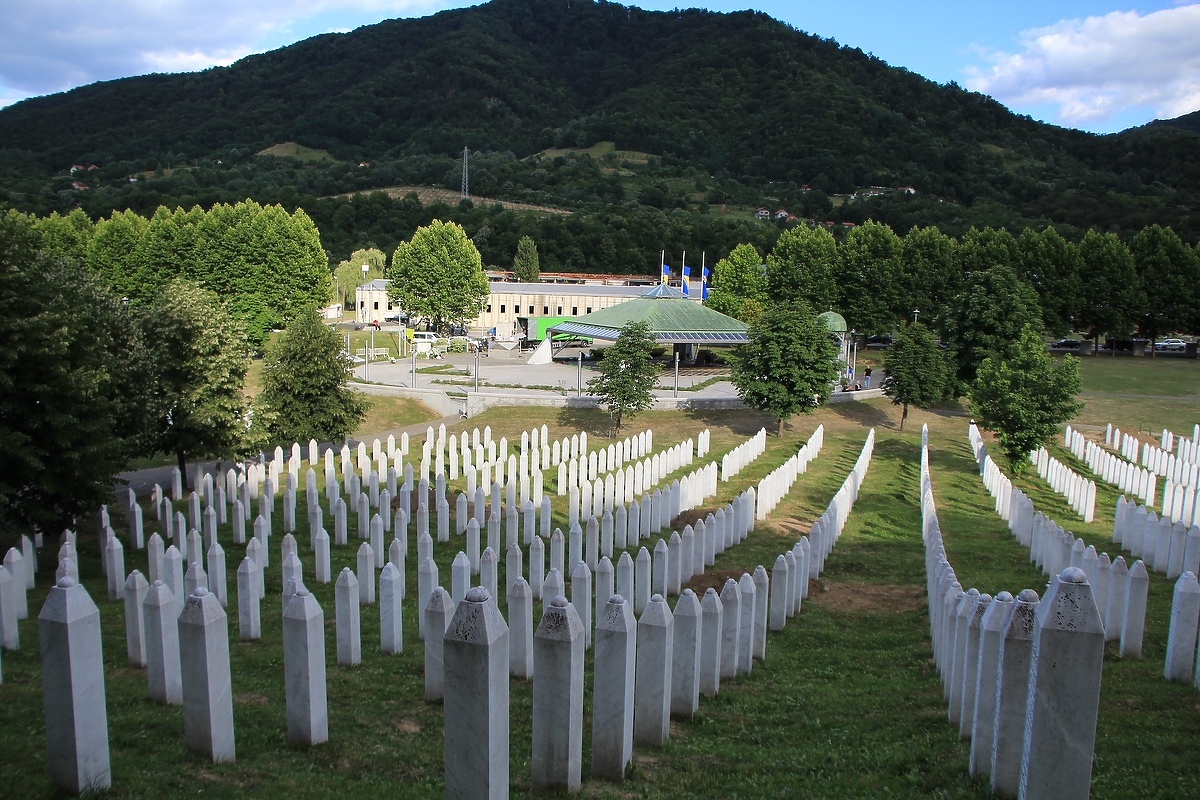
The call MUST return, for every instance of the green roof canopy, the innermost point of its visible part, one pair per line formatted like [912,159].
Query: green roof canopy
[834,321]
[673,319]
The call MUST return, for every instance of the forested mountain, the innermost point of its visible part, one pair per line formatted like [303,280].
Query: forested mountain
[720,110]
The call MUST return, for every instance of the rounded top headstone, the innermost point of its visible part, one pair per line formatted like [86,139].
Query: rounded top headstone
[688,593]
[658,598]
[559,602]
[1027,596]
[477,594]
[66,582]
[1073,575]
[156,583]
[616,600]
[708,591]
[200,592]
[301,591]
[1003,597]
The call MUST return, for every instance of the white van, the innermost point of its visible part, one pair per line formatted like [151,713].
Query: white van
[424,336]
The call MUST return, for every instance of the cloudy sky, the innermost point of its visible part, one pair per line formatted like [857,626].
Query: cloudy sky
[1091,64]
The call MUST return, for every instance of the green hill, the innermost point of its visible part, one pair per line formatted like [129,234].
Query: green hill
[733,110]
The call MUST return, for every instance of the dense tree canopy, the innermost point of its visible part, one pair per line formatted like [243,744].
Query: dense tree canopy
[350,274]
[1170,271]
[803,267]
[438,276]
[916,370]
[986,317]
[739,286]
[869,277]
[525,263]
[1112,299]
[1023,397]
[790,363]
[72,392]
[198,366]
[305,393]
[627,374]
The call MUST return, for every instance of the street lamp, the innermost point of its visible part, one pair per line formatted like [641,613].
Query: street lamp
[676,395]
[579,377]
[853,354]
[477,372]
[916,314]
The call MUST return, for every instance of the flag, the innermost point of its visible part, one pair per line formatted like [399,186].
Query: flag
[704,283]
[687,273]
[666,273]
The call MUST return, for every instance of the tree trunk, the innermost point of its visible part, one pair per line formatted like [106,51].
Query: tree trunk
[779,431]
[179,454]
[903,415]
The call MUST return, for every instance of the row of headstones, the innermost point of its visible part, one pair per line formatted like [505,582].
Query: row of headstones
[1128,446]
[635,477]
[73,685]
[1165,464]
[643,675]
[1120,590]
[1125,475]
[1031,722]
[152,615]
[775,486]
[998,484]
[743,455]
[1079,491]
[1184,448]
[1171,548]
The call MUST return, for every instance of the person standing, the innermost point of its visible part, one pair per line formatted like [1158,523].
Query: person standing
[867,378]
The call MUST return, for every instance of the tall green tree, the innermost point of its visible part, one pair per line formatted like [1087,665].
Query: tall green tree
[66,236]
[739,286]
[986,316]
[113,255]
[983,248]
[869,276]
[1023,397]
[1112,299]
[1051,265]
[525,263]
[627,374]
[349,273]
[802,267]
[790,363]
[1170,272]
[72,393]
[198,368]
[929,274]
[916,370]
[305,391]
[437,276]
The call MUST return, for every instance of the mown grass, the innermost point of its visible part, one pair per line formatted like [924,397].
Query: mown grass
[847,703]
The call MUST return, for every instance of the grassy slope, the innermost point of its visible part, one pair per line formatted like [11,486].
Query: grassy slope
[847,703]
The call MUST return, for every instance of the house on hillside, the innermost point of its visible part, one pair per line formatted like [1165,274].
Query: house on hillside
[762,213]
[782,214]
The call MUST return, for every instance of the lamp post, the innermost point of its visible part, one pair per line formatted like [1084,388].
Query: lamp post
[413,357]
[916,314]
[579,377]
[853,353]
[676,374]
[477,372]
[370,350]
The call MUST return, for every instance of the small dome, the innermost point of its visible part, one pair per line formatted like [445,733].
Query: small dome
[834,321]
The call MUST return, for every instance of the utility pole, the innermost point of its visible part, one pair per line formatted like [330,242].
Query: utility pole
[466,181]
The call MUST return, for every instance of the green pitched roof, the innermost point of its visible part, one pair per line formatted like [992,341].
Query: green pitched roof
[671,319]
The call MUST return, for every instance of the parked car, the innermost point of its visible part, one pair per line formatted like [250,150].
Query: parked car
[1065,344]
[880,340]
[1171,345]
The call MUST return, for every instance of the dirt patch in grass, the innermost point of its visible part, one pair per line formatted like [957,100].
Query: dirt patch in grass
[251,699]
[406,726]
[859,597]
[713,579]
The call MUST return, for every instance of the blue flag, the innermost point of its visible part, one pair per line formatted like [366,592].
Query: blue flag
[687,273]
[704,283]
[666,273]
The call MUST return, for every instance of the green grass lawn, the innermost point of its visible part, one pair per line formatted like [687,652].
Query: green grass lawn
[846,705]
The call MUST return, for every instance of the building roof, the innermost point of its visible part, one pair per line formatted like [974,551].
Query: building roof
[834,321]
[672,319]
[379,285]
[567,289]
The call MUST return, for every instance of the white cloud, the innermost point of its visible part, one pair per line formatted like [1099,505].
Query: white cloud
[48,46]
[1095,69]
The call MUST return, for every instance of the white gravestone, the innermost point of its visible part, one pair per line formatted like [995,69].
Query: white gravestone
[558,665]
[652,685]
[346,601]
[304,670]
[477,700]
[613,692]
[72,678]
[438,613]
[685,656]
[207,684]
[162,645]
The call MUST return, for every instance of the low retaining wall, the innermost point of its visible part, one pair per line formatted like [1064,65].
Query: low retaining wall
[478,402]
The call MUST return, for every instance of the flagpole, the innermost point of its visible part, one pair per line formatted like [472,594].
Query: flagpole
[662,266]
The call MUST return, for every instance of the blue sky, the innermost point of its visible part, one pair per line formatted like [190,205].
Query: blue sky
[1098,66]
